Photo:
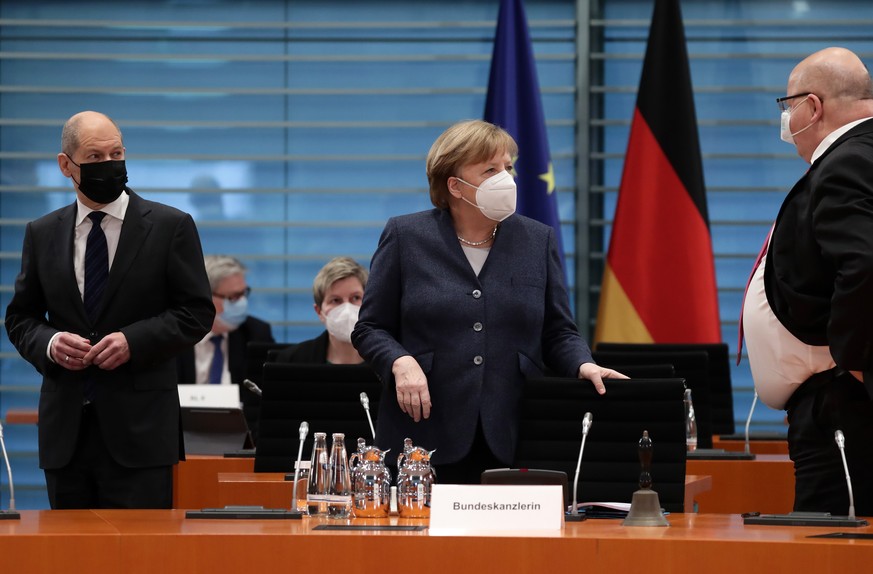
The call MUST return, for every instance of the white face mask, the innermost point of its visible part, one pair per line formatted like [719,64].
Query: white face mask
[340,321]
[495,196]
[785,127]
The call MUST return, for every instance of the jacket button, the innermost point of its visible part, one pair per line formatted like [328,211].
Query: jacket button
[476,293]
[477,326]
[478,360]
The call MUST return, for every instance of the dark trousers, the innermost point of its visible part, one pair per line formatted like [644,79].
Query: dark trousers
[469,469]
[827,402]
[93,479]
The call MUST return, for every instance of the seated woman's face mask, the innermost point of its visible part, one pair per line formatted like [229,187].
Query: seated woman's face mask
[340,321]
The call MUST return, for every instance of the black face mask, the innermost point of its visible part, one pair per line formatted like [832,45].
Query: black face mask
[103,181]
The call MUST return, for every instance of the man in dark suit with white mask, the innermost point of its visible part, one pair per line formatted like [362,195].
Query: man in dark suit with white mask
[808,312]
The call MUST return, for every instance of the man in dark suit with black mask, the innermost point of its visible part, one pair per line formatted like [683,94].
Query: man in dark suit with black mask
[111,289]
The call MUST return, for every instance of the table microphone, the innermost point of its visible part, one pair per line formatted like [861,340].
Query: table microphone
[587,421]
[841,444]
[250,385]
[749,420]
[365,402]
[11,513]
[302,431]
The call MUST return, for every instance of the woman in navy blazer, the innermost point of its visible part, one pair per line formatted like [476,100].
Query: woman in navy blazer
[463,303]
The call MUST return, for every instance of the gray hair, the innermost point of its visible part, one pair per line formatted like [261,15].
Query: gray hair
[220,267]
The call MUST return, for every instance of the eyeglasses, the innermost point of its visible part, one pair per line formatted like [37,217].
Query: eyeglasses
[781,101]
[235,296]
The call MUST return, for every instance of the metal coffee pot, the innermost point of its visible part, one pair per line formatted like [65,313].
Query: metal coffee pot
[371,482]
[415,477]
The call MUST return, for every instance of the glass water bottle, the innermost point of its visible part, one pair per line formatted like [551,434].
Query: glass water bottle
[690,423]
[316,492]
[339,497]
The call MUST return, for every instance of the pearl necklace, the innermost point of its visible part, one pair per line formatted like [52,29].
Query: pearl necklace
[478,243]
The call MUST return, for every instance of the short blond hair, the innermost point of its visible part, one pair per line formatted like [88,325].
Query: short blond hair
[466,142]
[334,270]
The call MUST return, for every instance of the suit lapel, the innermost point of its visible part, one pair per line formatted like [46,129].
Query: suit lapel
[64,238]
[134,231]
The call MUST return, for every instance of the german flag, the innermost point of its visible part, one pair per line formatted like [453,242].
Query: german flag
[659,281]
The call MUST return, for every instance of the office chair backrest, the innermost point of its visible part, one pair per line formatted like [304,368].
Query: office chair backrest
[325,396]
[550,434]
[653,371]
[693,366]
[256,356]
[721,391]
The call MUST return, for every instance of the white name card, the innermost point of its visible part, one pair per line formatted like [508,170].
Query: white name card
[462,509]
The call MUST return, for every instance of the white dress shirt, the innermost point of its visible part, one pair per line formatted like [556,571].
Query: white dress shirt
[780,362]
[111,226]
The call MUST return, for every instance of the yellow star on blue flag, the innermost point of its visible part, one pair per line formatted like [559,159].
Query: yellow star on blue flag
[513,103]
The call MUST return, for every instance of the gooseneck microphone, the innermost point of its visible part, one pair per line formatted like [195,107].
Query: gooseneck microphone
[749,421]
[11,513]
[302,431]
[250,385]
[365,402]
[587,421]
[841,444]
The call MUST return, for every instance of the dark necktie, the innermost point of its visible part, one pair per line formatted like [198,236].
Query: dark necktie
[749,282]
[217,367]
[96,266]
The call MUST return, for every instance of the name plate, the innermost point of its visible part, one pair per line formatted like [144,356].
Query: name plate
[462,509]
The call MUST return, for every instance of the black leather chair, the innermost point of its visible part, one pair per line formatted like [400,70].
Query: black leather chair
[325,396]
[256,356]
[721,392]
[550,434]
[653,371]
[693,366]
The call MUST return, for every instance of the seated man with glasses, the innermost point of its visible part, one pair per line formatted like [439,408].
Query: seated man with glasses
[219,358]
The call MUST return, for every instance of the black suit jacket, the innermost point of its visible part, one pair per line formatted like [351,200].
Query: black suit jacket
[309,351]
[158,296]
[819,272]
[252,329]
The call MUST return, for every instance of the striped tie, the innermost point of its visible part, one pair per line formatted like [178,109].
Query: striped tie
[96,266]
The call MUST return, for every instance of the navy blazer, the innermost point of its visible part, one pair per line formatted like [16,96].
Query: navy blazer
[158,296]
[476,338]
[819,272]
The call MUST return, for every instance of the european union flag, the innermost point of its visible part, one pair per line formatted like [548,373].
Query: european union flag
[513,103]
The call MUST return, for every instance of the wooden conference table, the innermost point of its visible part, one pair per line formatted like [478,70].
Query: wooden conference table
[763,485]
[147,541]
[271,490]
[214,482]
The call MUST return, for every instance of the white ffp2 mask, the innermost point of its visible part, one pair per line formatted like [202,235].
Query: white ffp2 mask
[496,196]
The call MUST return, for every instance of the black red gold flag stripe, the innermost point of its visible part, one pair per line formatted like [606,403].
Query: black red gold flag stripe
[659,281]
